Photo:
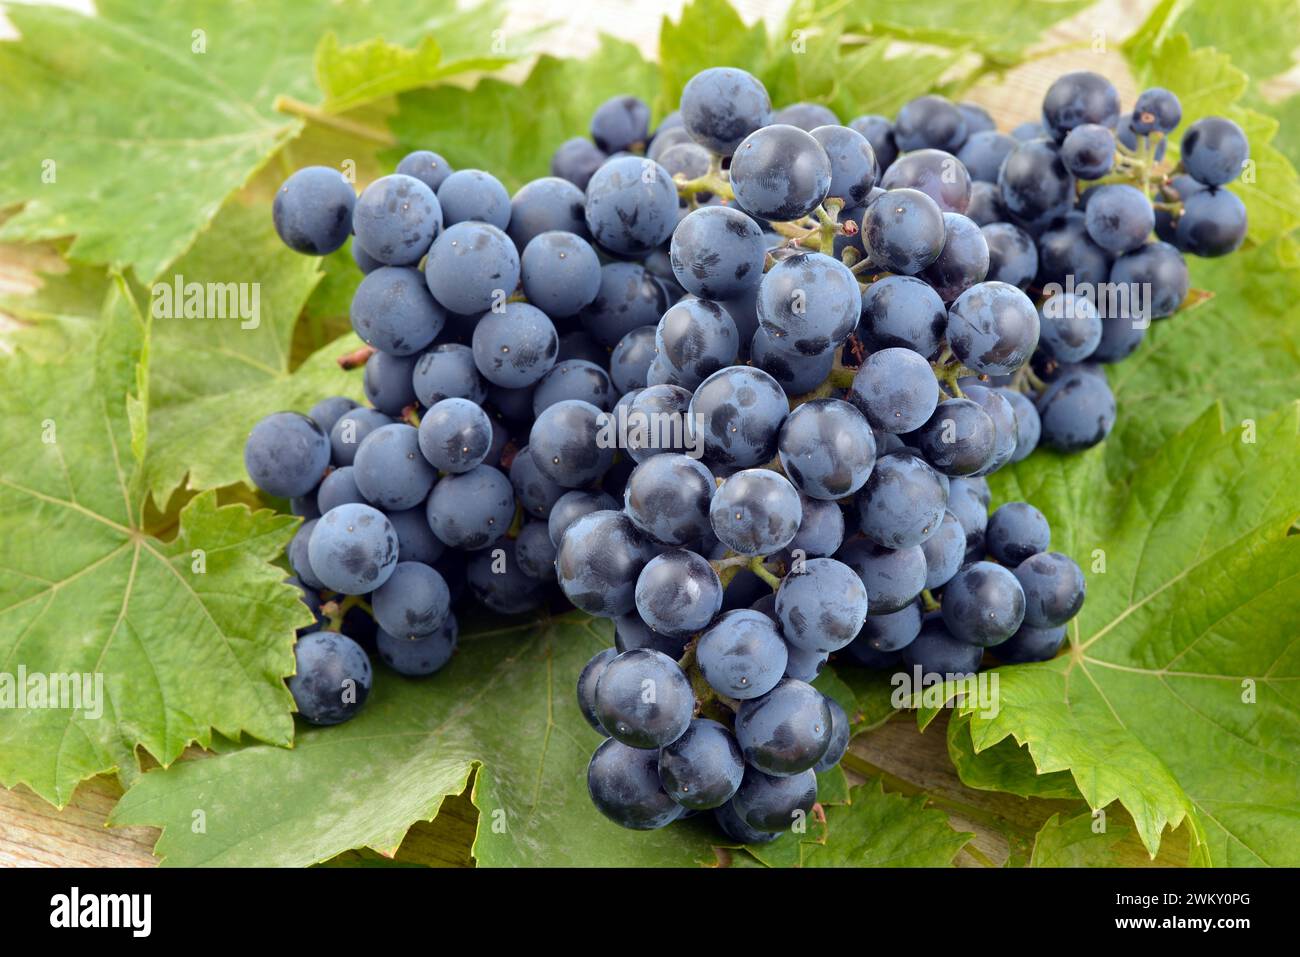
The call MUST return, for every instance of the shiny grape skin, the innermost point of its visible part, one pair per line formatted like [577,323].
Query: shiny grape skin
[630,633]
[455,435]
[755,512]
[1159,266]
[624,785]
[697,337]
[577,160]
[393,311]
[786,731]
[573,379]
[516,346]
[1016,531]
[1028,427]
[417,657]
[389,469]
[1034,182]
[822,604]
[353,549]
[717,252]
[1214,150]
[678,593]
[826,448]
[959,437]
[571,506]
[1119,218]
[1089,151]
[1031,644]
[426,166]
[472,267]
[1078,98]
[534,551]
[650,418]
[893,576]
[772,804]
[902,503]
[904,312]
[286,454]
[944,552]
[796,374]
[930,122]
[703,768]
[1156,109]
[1054,588]
[1067,250]
[780,173]
[1070,327]
[472,510]
[536,491]
[854,170]
[500,584]
[742,655]
[600,556]
[964,260]
[560,273]
[983,153]
[644,699]
[413,603]
[565,445]
[723,105]
[668,496]
[879,132]
[591,673]
[840,731]
[809,303]
[620,123]
[993,328]
[631,205]
[396,218]
[937,173]
[474,195]
[312,211]
[1077,410]
[889,632]
[1213,223]
[543,205]
[629,297]
[937,652]
[447,371]
[630,360]
[737,413]
[331,678]
[985,204]
[983,604]
[903,231]
[821,532]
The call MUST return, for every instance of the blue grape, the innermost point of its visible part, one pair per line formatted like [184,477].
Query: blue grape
[666,139]
[286,454]
[786,731]
[1078,98]
[426,166]
[1089,151]
[703,768]
[413,603]
[350,430]
[944,552]
[534,551]
[903,231]
[809,303]
[1214,150]
[795,373]
[390,470]
[983,152]
[388,382]
[621,123]
[328,411]
[624,785]
[471,195]
[331,679]
[591,673]
[804,665]
[853,162]
[1028,427]
[938,174]
[993,328]
[1013,258]
[417,657]
[365,262]
[312,211]
[628,298]
[338,488]
[755,512]
[630,633]
[630,360]
[500,584]
[821,603]
[902,503]
[577,160]
[821,529]
[1005,428]
[717,252]
[565,444]
[635,717]
[576,344]
[651,419]
[985,205]
[1076,411]
[678,593]
[544,205]
[1212,223]
[536,491]
[893,577]
[305,506]
[1119,218]
[964,260]
[840,731]
[742,655]
[958,439]
[887,633]
[668,497]
[573,379]
[1015,531]
[735,829]
[516,346]
[687,161]
[768,803]
[560,273]
[780,173]
[879,132]
[415,539]
[1066,250]
[806,116]
[353,549]
[1128,136]
[1159,268]
[600,556]
[903,312]
[966,500]
[631,205]
[1029,131]
[1034,182]
[299,559]
[571,506]
[697,337]
[736,413]
[472,510]
[930,122]
[723,105]
[393,311]
[1031,644]
[936,652]
[472,267]
[447,371]
[396,219]
[826,448]
[455,435]
[1157,110]
[983,604]
[1070,327]
[1053,585]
